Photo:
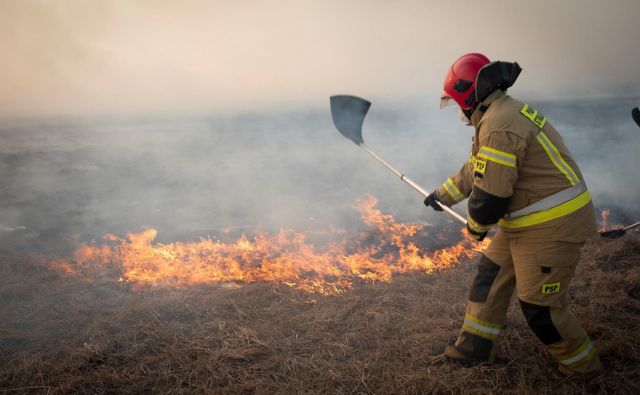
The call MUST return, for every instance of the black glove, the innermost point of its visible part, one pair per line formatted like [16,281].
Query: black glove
[478,236]
[432,201]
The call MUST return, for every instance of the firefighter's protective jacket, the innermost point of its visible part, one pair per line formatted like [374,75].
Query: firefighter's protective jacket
[520,174]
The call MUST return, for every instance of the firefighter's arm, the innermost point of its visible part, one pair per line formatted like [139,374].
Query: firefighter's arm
[457,187]
[499,157]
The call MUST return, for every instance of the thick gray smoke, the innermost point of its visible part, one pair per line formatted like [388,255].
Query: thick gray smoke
[75,181]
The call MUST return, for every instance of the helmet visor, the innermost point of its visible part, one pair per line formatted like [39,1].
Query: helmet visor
[447,101]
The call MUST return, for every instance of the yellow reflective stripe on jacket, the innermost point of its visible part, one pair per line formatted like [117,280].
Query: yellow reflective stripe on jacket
[557,158]
[550,201]
[485,329]
[494,155]
[476,226]
[580,356]
[561,210]
[453,190]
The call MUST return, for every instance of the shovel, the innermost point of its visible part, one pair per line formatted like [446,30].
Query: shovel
[635,114]
[615,233]
[348,114]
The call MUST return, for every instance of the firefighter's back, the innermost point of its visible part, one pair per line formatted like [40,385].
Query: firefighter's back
[550,197]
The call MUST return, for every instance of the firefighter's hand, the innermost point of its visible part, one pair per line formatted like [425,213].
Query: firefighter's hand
[476,235]
[432,201]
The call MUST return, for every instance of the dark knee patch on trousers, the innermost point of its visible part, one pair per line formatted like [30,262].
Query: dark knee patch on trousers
[539,320]
[487,273]
[474,346]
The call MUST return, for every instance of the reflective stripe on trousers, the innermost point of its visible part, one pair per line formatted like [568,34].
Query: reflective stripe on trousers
[485,329]
[581,355]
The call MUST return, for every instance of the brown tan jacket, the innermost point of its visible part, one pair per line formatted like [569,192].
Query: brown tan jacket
[521,174]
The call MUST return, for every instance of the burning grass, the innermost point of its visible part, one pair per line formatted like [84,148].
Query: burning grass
[62,333]
[389,248]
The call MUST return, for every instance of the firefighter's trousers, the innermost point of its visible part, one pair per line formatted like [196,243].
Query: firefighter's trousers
[541,270]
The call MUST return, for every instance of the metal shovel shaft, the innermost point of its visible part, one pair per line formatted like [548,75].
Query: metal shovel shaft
[411,183]
[631,226]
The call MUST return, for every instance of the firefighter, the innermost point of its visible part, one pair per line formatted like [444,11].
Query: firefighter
[521,176]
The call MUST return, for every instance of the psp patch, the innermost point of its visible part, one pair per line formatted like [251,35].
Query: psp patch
[536,117]
[479,166]
[550,288]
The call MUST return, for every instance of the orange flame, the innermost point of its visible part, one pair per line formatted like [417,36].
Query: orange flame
[604,215]
[604,226]
[285,257]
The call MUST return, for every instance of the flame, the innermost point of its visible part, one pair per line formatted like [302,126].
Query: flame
[604,215]
[286,257]
[604,226]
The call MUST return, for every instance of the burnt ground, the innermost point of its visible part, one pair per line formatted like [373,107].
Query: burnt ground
[61,335]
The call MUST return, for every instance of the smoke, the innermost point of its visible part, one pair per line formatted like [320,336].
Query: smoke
[75,181]
[76,57]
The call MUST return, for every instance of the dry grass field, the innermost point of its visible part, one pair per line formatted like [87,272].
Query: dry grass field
[59,334]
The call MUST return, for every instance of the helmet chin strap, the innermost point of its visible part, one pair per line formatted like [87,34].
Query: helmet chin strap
[466,119]
[468,113]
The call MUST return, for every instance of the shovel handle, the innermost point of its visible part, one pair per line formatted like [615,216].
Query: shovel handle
[455,215]
[424,193]
[412,184]
[626,228]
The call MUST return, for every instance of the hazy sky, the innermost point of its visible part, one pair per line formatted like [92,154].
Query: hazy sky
[84,57]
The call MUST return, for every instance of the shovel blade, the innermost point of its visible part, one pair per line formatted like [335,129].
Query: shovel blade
[348,114]
[612,234]
[635,114]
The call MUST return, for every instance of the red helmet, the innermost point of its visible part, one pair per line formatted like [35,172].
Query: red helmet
[460,81]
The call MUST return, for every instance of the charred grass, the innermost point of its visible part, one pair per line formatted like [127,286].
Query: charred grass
[60,335]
